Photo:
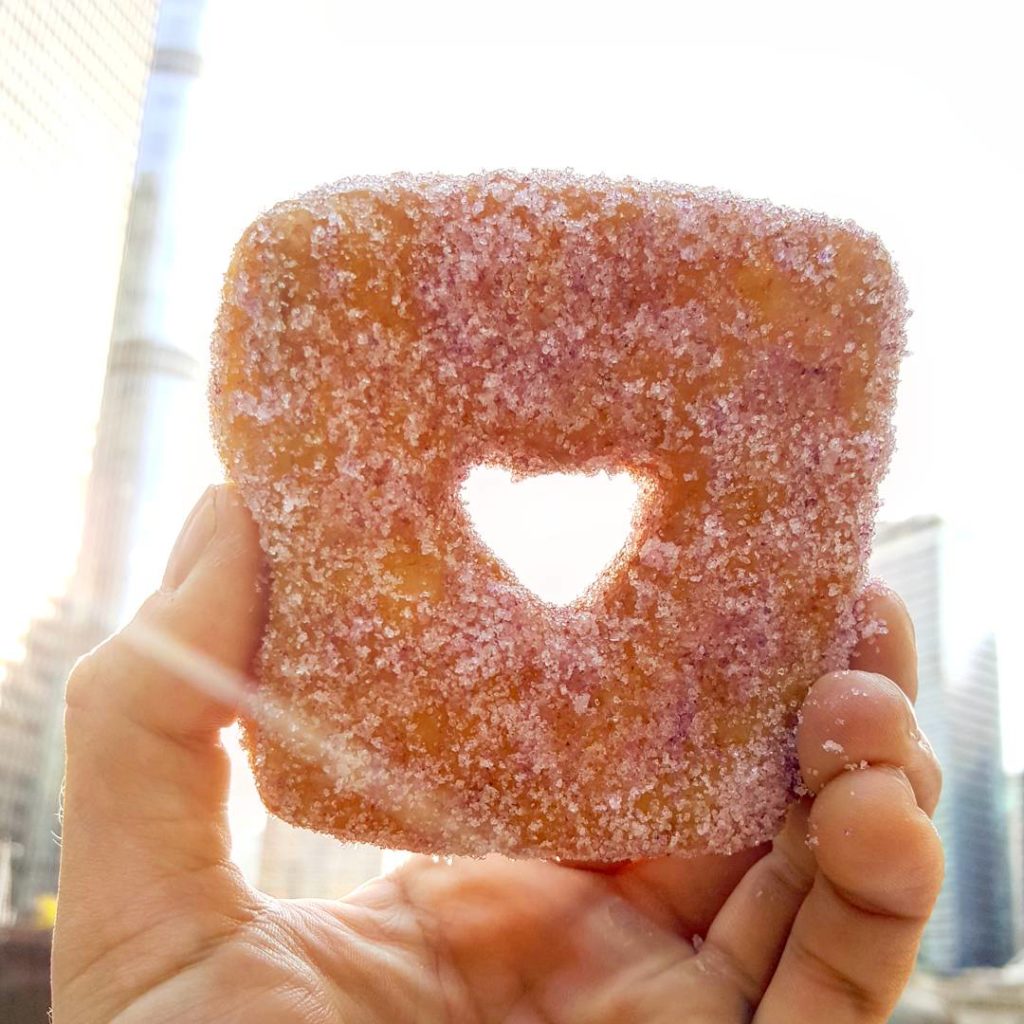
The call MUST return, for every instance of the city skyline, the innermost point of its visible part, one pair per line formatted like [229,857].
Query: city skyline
[975,920]
[70,112]
[141,461]
[214,197]
[903,130]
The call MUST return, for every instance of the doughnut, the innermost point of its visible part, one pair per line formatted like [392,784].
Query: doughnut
[380,337]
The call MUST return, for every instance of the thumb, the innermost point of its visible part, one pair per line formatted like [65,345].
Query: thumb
[145,842]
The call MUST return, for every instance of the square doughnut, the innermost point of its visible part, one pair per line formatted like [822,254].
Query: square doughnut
[380,337]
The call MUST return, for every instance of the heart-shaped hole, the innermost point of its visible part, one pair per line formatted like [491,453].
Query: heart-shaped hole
[556,532]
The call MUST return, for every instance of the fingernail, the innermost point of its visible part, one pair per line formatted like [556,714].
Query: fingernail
[196,534]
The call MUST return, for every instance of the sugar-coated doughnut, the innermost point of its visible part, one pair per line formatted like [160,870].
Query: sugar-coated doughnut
[379,337]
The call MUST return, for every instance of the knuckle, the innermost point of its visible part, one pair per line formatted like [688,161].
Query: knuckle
[86,677]
[834,980]
[94,672]
[858,706]
[786,876]
[920,876]
[845,683]
[925,772]
[728,969]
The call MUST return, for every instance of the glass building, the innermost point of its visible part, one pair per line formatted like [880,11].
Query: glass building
[958,705]
[152,416]
[72,82]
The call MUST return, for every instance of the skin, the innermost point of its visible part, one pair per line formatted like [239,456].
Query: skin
[156,924]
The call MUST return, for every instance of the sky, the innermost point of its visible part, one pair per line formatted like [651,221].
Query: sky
[900,120]
[902,116]
[902,123]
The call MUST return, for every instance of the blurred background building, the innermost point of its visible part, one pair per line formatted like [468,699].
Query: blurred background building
[151,435]
[74,77]
[958,705]
[152,393]
[981,995]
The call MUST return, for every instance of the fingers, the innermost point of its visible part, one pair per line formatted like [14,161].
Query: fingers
[854,719]
[878,859]
[684,893]
[747,938]
[865,715]
[853,944]
[849,719]
[161,671]
[144,825]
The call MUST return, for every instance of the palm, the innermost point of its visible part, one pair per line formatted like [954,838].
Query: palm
[533,942]
[472,941]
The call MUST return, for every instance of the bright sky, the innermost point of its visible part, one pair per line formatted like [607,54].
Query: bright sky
[902,123]
[900,116]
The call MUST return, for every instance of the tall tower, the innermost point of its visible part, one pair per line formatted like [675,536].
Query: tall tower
[142,467]
[74,78]
[958,705]
[150,380]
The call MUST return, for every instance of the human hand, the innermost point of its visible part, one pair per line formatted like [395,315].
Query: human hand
[156,924]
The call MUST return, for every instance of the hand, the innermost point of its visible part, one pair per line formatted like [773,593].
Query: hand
[156,924]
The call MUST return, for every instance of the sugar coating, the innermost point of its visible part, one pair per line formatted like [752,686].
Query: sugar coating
[379,337]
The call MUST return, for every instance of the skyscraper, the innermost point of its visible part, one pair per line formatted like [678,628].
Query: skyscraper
[31,752]
[1015,816]
[150,419]
[72,82]
[958,705]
